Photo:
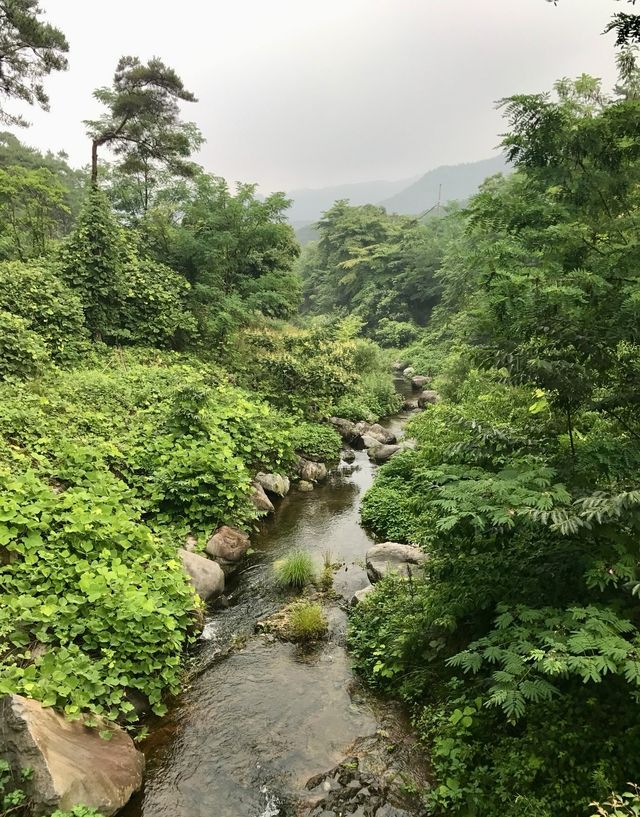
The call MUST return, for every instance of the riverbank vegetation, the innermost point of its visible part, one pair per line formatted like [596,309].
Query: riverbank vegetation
[518,650]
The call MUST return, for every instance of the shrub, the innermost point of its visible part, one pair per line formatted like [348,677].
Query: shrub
[86,579]
[295,570]
[395,334]
[34,292]
[316,442]
[307,621]
[22,352]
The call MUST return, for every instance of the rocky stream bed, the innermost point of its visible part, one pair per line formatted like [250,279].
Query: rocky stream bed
[267,728]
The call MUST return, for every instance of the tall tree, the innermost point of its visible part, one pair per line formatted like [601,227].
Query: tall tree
[30,49]
[142,124]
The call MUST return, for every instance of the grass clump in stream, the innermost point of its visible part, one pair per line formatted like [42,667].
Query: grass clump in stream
[307,621]
[295,571]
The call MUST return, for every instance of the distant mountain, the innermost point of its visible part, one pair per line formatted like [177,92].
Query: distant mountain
[308,205]
[458,182]
[406,196]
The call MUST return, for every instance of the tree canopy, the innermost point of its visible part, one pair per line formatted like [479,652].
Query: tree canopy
[30,49]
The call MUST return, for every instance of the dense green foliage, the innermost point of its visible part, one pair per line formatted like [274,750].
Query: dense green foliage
[380,267]
[519,649]
[316,442]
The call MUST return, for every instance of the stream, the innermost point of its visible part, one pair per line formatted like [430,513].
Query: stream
[260,718]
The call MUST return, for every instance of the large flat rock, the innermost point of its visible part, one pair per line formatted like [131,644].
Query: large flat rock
[72,765]
[392,557]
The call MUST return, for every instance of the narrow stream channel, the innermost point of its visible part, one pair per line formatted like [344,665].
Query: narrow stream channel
[258,721]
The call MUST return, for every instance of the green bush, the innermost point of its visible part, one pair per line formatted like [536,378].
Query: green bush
[307,621]
[395,334]
[22,351]
[33,292]
[316,442]
[295,571]
[106,600]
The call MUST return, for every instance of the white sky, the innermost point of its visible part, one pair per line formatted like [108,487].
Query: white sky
[308,93]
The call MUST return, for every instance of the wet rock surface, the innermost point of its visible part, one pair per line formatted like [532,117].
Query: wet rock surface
[375,780]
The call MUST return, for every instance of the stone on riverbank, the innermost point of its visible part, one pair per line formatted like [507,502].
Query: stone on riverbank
[260,500]
[420,381]
[361,595]
[276,484]
[305,486]
[428,398]
[228,544]
[345,428]
[392,557]
[382,453]
[72,765]
[206,576]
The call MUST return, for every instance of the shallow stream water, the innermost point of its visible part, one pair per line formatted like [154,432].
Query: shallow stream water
[257,721]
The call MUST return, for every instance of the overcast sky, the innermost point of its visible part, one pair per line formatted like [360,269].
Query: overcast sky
[309,93]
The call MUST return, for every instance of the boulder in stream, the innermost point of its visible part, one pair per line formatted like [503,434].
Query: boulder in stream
[348,455]
[375,431]
[276,484]
[260,500]
[370,442]
[392,557]
[428,398]
[228,544]
[72,765]
[305,486]
[206,576]
[419,381]
[409,371]
[382,453]
[311,471]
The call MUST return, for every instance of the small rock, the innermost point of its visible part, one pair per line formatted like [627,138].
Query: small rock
[360,595]
[427,398]
[392,557]
[410,405]
[305,486]
[261,501]
[420,381]
[348,455]
[205,575]
[276,484]
[409,371]
[399,366]
[190,543]
[228,544]
[382,453]
[71,764]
